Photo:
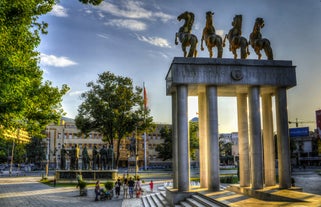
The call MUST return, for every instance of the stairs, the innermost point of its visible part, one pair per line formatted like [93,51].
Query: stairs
[155,200]
[196,200]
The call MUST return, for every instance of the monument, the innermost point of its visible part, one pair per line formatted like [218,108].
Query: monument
[254,83]
[248,81]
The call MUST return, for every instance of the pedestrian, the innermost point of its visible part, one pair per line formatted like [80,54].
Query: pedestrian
[97,189]
[117,187]
[151,185]
[138,188]
[131,185]
[125,187]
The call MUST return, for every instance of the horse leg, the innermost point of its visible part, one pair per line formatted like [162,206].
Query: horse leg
[243,52]
[268,52]
[184,50]
[210,51]
[219,47]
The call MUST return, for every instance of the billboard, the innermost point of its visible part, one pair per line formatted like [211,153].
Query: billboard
[299,132]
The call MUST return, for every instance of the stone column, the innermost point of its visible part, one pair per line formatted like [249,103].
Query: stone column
[175,142]
[183,141]
[283,141]
[244,160]
[202,116]
[269,145]
[212,142]
[255,138]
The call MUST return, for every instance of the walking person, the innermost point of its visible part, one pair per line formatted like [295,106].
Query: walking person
[138,188]
[125,187]
[131,185]
[151,186]
[97,189]
[117,187]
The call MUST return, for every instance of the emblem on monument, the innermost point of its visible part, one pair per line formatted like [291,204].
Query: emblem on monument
[237,74]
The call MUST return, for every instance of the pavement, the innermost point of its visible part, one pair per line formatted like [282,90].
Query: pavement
[28,192]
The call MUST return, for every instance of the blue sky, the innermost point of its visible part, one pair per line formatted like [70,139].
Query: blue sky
[135,39]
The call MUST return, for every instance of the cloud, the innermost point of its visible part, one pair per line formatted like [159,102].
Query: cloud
[128,24]
[59,11]
[133,10]
[156,41]
[75,93]
[51,60]
[105,36]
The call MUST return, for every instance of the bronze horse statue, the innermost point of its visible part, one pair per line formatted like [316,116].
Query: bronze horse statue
[185,35]
[258,43]
[211,39]
[235,38]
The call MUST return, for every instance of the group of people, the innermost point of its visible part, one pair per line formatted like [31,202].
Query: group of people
[128,185]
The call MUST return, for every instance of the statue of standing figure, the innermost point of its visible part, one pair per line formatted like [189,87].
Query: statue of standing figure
[132,146]
[63,154]
[103,158]
[110,157]
[85,159]
[72,158]
[95,157]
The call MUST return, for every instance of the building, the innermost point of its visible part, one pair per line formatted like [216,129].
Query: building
[67,134]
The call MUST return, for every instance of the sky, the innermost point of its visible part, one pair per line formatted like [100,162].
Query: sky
[135,39]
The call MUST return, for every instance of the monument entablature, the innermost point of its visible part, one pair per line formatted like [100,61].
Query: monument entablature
[231,76]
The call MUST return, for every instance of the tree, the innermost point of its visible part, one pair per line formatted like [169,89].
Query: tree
[114,108]
[165,149]
[26,101]
[35,150]
[193,138]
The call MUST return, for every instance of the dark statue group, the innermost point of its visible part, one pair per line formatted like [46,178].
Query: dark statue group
[102,159]
[211,39]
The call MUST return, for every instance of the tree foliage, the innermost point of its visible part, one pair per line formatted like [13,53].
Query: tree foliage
[165,149]
[25,100]
[114,108]
[35,150]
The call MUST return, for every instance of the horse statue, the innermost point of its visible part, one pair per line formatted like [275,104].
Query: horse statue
[236,40]
[258,43]
[211,39]
[185,35]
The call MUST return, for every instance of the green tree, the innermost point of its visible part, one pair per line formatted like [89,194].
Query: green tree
[193,138]
[26,101]
[35,151]
[114,108]
[165,149]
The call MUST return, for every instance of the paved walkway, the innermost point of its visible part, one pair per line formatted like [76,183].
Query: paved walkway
[28,192]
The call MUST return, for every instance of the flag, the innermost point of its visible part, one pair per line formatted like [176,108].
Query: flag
[145,98]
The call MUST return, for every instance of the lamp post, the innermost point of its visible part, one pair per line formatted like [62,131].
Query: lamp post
[47,154]
[12,151]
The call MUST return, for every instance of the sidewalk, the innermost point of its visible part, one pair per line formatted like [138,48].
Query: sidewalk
[28,192]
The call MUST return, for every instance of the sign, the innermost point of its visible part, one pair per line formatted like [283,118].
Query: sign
[299,132]
[318,121]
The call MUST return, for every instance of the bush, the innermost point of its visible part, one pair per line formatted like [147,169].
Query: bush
[82,184]
[229,179]
[109,185]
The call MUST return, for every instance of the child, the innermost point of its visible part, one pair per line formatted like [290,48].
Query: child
[151,185]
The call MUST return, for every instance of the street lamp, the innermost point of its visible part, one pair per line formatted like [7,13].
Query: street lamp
[12,151]
[47,154]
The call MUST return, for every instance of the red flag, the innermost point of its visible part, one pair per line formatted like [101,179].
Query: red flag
[145,98]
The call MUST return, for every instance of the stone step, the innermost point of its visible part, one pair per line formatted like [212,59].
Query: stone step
[151,201]
[162,198]
[156,200]
[185,204]
[194,202]
[207,201]
[145,201]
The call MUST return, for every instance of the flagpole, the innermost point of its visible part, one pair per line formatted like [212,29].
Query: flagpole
[145,147]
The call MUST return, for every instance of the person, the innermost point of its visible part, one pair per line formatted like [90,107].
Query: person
[138,188]
[117,187]
[85,158]
[131,185]
[97,189]
[79,179]
[95,156]
[151,185]
[103,158]
[125,186]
